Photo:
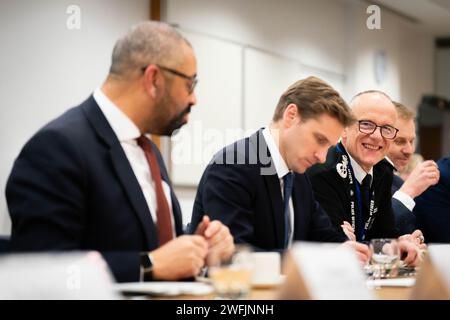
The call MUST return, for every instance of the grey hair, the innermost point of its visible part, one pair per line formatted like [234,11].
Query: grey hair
[404,112]
[146,43]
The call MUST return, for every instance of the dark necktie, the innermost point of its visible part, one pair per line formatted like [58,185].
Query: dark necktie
[162,210]
[288,180]
[365,201]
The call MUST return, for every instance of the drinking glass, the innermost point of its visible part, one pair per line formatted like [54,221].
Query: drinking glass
[385,257]
[232,279]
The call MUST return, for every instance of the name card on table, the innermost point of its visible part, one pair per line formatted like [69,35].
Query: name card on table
[323,271]
[433,279]
[61,276]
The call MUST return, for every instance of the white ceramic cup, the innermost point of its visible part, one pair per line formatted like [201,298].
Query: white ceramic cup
[266,268]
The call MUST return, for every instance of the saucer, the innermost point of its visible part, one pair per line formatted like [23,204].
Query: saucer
[269,283]
[161,288]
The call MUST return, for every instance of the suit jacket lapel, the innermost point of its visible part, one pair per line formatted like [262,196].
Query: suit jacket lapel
[134,193]
[123,169]
[274,191]
[273,188]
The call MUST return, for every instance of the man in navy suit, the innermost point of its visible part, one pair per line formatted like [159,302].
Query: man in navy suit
[256,186]
[423,176]
[91,180]
[433,207]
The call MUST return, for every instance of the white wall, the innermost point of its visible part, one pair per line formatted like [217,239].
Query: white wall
[417,65]
[219,110]
[46,68]
[409,52]
[288,27]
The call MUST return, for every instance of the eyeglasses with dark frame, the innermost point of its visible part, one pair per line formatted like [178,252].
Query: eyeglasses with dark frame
[193,79]
[369,127]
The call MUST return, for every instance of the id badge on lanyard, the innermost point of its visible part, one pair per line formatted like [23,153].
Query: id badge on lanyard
[345,170]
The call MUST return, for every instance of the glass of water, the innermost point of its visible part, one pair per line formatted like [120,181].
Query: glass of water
[385,257]
[231,279]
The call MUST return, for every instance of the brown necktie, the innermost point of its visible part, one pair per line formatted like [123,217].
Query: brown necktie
[162,210]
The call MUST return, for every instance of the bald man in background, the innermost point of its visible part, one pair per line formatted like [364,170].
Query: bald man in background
[421,178]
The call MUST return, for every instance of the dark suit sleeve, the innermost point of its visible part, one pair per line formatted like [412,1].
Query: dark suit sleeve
[47,195]
[384,223]
[330,201]
[322,228]
[397,183]
[432,208]
[225,194]
[405,221]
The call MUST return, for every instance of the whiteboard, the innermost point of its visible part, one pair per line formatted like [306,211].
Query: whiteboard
[267,76]
[216,120]
[239,88]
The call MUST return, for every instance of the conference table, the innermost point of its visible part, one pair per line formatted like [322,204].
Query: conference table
[398,286]
[384,293]
[381,293]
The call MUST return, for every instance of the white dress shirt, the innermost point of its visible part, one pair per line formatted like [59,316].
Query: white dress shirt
[359,172]
[127,133]
[281,169]
[404,198]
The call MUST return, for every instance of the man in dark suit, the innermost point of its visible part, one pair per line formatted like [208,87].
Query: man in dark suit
[421,177]
[92,180]
[256,186]
[353,183]
[433,207]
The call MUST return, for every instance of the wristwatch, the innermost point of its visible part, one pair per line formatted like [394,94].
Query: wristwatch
[146,267]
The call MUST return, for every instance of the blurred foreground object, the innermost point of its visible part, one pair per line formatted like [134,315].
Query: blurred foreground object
[323,271]
[55,276]
[433,280]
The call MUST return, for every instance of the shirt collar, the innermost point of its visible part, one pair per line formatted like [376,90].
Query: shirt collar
[391,162]
[280,165]
[123,127]
[359,172]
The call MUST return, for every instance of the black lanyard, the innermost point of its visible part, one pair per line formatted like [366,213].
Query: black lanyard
[355,194]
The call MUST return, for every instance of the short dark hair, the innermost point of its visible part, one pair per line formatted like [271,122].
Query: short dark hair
[145,43]
[314,97]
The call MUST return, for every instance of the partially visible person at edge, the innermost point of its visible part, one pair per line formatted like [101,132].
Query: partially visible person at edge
[421,177]
[432,208]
